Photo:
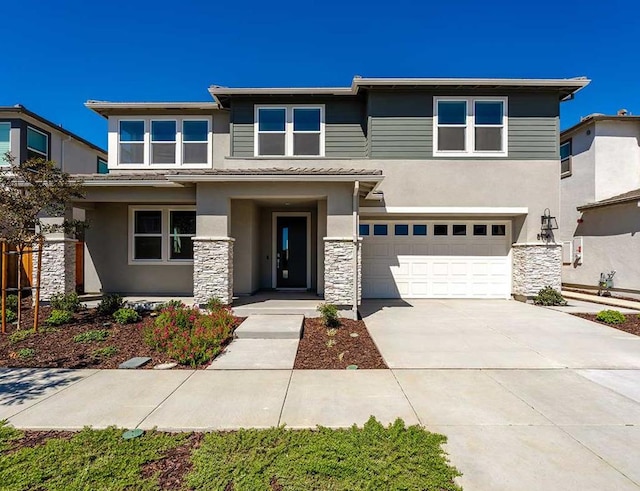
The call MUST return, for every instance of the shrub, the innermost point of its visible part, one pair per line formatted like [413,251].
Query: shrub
[65,301]
[549,296]
[110,303]
[12,303]
[106,352]
[10,315]
[176,304]
[329,313]
[126,316]
[214,304]
[611,317]
[19,336]
[59,317]
[90,336]
[188,335]
[25,353]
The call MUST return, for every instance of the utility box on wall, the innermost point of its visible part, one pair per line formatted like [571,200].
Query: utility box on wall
[578,250]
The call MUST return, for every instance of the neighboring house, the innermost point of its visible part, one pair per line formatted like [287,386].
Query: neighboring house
[600,196]
[26,135]
[389,188]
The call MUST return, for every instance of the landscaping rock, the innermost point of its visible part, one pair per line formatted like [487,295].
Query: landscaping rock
[165,366]
[135,362]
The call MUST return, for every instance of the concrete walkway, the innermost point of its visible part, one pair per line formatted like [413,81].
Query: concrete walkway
[612,302]
[529,398]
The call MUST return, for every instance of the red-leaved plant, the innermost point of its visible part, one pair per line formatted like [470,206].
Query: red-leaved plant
[189,335]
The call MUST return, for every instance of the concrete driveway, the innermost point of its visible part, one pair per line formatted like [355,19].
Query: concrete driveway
[529,398]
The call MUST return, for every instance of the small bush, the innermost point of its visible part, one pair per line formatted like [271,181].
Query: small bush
[12,303]
[175,304]
[10,316]
[106,352]
[59,318]
[611,317]
[91,336]
[214,304]
[19,336]
[126,316]
[110,303]
[65,301]
[25,353]
[188,335]
[329,313]
[548,297]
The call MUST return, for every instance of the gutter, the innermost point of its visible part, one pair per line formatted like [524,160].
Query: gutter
[273,177]
[356,197]
[609,203]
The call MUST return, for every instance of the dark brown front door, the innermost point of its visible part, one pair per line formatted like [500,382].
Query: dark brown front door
[291,254]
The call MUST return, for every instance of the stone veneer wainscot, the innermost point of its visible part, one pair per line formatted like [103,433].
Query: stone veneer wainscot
[536,266]
[58,267]
[213,269]
[339,270]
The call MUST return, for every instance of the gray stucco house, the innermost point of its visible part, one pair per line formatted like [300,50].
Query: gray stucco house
[600,198]
[388,188]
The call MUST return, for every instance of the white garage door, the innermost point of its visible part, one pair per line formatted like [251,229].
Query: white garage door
[435,259]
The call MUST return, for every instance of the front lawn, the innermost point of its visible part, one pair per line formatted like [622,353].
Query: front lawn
[369,458]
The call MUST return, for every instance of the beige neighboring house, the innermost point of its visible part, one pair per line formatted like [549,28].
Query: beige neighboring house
[387,188]
[600,197]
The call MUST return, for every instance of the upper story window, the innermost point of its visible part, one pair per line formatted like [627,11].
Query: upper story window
[565,159]
[102,167]
[37,144]
[289,131]
[470,126]
[5,141]
[164,142]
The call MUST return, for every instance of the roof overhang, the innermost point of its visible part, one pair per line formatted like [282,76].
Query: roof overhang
[496,211]
[105,108]
[584,122]
[611,201]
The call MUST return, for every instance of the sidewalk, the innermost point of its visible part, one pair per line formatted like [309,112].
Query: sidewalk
[612,302]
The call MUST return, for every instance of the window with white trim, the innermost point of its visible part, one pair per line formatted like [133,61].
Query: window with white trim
[37,144]
[470,126]
[289,131]
[164,142]
[565,159]
[5,142]
[161,234]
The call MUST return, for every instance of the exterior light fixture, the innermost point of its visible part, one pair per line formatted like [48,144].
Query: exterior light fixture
[547,225]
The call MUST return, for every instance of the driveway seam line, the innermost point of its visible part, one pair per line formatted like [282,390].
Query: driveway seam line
[407,398]
[284,399]
[163,400]
[51,395]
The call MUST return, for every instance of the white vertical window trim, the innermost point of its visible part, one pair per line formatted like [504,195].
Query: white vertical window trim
[288,142]
[470,128]
[147,143]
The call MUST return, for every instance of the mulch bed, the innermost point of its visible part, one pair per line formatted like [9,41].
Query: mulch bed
[321,348]
[55,348]
[632,324]
[175,465]
[32,439]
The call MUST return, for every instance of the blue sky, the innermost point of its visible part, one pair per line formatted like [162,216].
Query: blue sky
[161,50]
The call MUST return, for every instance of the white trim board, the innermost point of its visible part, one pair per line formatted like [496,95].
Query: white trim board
[444,210]
[274,244]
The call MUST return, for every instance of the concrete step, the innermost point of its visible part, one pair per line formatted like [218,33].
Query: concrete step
[257,354]
[247,310]
[273,326]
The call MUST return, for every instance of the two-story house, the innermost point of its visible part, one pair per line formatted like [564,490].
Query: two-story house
[25,134]
[600,201]
[389,188]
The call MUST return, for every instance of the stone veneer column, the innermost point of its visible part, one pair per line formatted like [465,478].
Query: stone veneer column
[536,266]
[213,269]
[339,270]
[58,267]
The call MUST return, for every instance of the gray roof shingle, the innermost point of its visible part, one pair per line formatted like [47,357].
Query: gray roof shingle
[621,198]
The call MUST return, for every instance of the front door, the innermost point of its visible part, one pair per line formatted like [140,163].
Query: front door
[291,253]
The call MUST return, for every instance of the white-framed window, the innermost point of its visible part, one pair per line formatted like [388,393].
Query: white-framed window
[565,158]
[37,144]
[5,141]
[161,234]
[164,142]
[289,131]
[470,126]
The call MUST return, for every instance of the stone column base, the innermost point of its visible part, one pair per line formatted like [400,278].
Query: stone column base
[213,269]
[58,273]
[339,270]
[536,266]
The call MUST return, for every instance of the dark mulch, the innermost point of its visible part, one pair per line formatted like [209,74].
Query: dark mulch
[319,350]
[55,348]
[175,464]
[31,439]
[632,324]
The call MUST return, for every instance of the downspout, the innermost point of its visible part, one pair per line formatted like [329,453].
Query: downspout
[356,195]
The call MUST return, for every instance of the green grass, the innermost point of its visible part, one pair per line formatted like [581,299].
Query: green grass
[371,458]
[92,460]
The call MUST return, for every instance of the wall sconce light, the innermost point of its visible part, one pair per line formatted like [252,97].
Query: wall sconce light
[547,225]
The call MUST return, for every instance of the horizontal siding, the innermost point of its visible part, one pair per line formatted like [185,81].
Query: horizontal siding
[533,138]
